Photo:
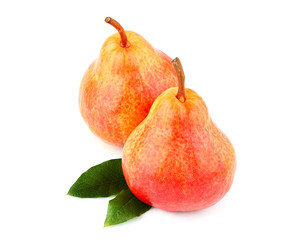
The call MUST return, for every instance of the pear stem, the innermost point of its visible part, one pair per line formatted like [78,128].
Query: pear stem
[120,29]
[181,77]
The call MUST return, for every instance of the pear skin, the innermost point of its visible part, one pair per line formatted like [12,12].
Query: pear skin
[177,159]
[119,87]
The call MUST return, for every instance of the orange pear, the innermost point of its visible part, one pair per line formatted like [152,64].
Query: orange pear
[119,87]
[177,159]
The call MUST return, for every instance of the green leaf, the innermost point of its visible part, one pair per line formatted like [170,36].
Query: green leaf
[123,207]
[102,180]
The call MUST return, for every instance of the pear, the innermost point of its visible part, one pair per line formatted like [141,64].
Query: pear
[177,159]
[119,87]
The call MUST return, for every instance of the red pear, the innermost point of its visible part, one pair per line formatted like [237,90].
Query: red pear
[177,159]
[119,87]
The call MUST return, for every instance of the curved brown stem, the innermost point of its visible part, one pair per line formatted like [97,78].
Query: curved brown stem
[116,25]
[181,77]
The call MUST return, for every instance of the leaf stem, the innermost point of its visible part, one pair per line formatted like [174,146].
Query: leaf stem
[120,29]
[181,77]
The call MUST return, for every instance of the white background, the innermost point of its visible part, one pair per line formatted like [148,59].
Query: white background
[242,57]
